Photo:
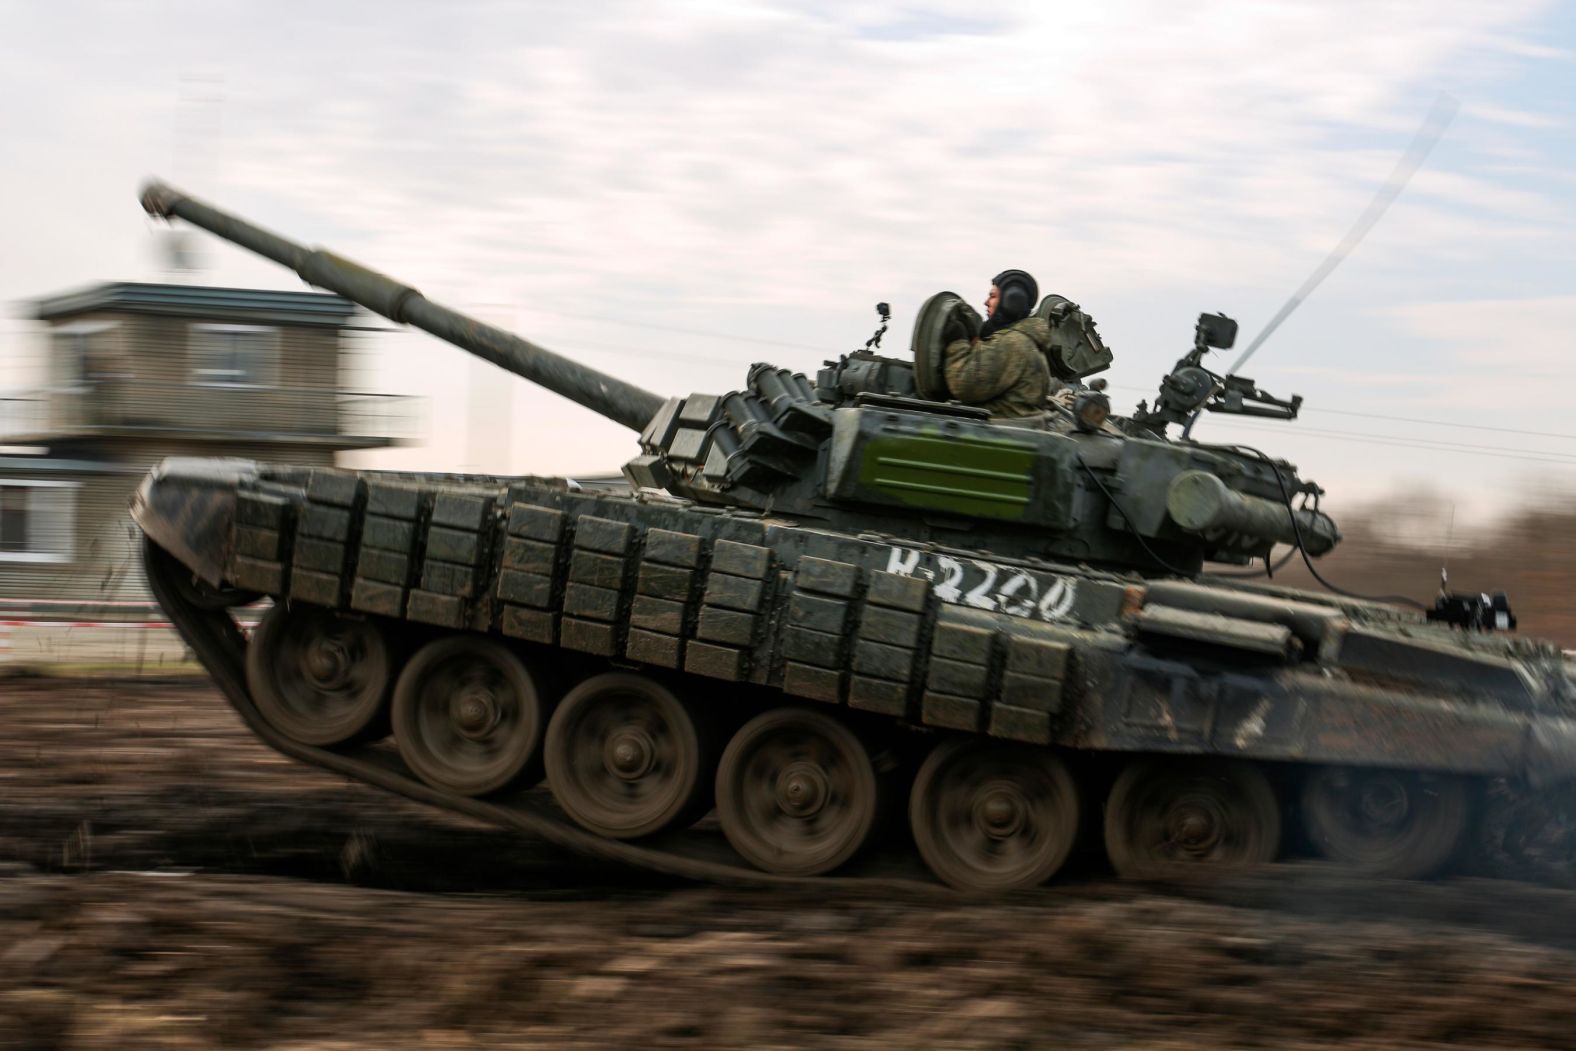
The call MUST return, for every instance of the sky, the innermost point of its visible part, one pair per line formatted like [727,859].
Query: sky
[670,192]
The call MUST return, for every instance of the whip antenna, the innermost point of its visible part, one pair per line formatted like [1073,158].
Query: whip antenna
[1434,125]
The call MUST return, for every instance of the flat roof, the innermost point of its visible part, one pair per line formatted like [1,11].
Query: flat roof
[206,301]
[45,464]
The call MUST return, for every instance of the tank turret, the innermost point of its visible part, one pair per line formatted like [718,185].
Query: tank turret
[873,443]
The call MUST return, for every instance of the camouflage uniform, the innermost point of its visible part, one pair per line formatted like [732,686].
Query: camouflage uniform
[1005,372]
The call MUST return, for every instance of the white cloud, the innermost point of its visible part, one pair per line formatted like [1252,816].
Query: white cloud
[1521,344]
[756,153]
[773,168]
[1516,117]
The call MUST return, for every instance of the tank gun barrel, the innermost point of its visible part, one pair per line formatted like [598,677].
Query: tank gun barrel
[621,402]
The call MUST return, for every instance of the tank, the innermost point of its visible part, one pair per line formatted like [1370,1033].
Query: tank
[848,614]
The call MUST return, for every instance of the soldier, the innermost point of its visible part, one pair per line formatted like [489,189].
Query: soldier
[1003,369]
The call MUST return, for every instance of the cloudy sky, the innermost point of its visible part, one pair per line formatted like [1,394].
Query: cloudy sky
[675,190]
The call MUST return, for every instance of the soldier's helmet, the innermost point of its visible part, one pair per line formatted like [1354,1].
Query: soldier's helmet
[1017,294]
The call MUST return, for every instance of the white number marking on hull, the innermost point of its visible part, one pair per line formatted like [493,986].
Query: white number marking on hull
[985,585]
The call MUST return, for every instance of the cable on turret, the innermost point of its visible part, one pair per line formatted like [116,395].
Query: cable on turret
[1296,529]
[1268,570]
[1168,567]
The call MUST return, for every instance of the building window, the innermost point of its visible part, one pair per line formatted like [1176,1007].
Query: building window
[84,352]
[37,520]
[235,355]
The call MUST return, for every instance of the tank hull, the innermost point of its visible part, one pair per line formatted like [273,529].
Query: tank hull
[908,643]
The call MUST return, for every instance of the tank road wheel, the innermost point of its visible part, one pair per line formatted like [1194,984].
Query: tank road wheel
[1399,823]
[991,816]
[796,792]
[319,678]
[468,716]
[625,759]
[1176,817]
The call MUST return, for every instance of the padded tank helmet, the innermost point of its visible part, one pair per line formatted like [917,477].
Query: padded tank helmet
[1017,292]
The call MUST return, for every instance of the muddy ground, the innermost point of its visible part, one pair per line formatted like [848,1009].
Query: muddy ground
[167,883]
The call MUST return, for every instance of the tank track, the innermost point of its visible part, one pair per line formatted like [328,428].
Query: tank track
[220,646]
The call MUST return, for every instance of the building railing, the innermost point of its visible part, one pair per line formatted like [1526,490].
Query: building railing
[125,406]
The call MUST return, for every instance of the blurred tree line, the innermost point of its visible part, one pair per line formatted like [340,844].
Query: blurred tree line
[1398,549]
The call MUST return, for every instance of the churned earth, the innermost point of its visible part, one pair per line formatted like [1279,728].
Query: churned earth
[166,882]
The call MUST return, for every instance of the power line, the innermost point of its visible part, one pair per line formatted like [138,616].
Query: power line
[1434,443]
[1447,423]
[624,350]
[713,359]
[1396,441]
[824,352]
[1418,444]
[1455,424]
[733,337]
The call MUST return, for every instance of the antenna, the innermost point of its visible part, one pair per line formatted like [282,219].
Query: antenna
[1433,127]
[874,342]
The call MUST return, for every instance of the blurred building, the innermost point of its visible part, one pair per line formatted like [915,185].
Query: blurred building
[138,372]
